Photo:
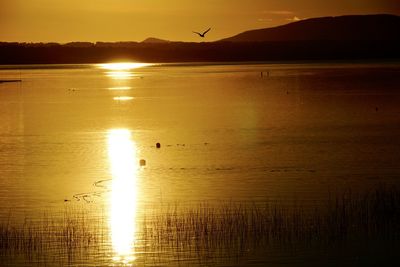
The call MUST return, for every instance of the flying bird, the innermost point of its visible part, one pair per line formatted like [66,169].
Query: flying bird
[203,34]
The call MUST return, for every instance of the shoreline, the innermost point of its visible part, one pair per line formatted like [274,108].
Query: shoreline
[320,63]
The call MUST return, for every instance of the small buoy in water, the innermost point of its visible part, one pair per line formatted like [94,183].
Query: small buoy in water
[158,145]
[142,162]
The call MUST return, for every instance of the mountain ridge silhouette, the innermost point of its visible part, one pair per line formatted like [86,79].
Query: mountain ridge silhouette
[353,37]
[348,27]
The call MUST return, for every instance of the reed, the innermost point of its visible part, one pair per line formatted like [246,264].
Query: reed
[373,215]
[208,227]
[72,234]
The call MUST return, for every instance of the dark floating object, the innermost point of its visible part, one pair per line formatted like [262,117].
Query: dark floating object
[376,109]
[10,81]
[142,162]
[158,145]
[66,200]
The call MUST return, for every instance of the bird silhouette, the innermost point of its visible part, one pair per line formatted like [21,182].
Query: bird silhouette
[203,34]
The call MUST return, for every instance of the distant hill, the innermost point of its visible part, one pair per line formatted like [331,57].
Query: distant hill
[368,37]
[342,28]
[153,40]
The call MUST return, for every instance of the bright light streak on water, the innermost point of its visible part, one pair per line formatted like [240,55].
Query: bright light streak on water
[123,98]
[123,199]
[120,88]
[123,66]
[120,75]
[122,70]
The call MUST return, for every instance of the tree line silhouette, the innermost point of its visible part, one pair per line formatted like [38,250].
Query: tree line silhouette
[82,52]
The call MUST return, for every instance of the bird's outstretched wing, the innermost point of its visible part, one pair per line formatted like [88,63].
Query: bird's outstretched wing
[206,31]
[197,33]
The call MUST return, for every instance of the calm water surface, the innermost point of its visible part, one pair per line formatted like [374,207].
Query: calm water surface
[73,135]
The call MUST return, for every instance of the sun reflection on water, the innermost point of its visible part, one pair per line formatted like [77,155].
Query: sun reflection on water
[122,70]
[120,75]
[123,98]
[123,66]
[123,199]
[121,88]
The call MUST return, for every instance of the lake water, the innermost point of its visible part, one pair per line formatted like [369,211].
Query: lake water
[73,135]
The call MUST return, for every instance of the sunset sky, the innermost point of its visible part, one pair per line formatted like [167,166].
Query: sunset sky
[135,20]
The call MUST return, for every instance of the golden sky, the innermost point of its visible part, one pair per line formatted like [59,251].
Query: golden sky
[135,20]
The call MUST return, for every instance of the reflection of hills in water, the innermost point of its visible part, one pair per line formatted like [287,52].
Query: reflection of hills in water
[345,37]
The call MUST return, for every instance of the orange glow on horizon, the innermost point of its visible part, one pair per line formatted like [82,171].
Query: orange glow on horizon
[124,20]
